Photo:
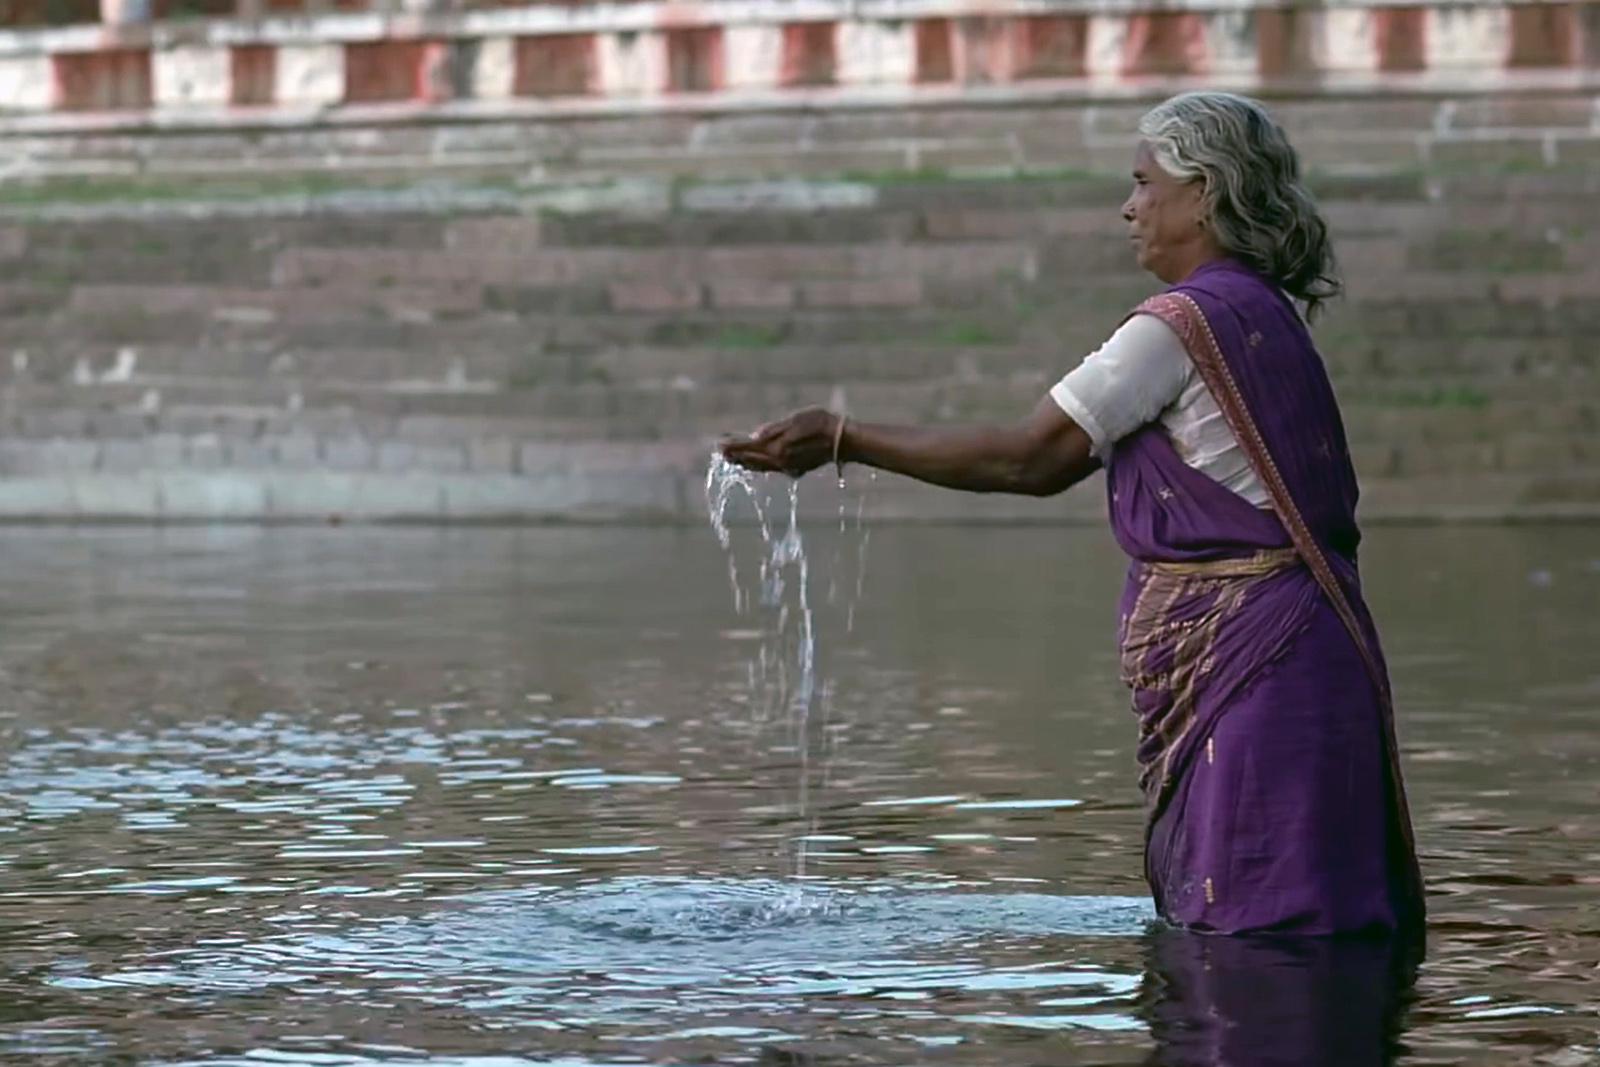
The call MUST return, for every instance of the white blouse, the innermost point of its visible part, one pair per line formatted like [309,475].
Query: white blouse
[1143,374]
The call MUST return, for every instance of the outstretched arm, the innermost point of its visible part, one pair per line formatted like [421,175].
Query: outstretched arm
[1042,456]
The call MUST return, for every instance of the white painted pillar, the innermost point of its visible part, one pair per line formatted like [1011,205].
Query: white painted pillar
[494,69]
[632,64]
[752,56]
[1467,38]
[1345,41]
[27,82]
[310,75]
[191,76]
[877,53]
[1108,39]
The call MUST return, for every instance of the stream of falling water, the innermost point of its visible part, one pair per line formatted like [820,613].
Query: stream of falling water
[783,681]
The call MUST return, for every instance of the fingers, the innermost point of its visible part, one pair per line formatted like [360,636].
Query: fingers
[770,448]
[759,463]
[750,455]
[770,432]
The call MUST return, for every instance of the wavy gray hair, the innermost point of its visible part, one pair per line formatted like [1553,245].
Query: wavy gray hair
[1254,200]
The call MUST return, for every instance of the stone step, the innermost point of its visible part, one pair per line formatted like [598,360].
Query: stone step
[335,454]
[1452,422]
[149,311]
[1513,238]
[695,350]
[892,364]
[1471,310]
[1434,305]
[1452,312]
[424,447]
[1486,361]
[1427,303]
[956,261]
[1525,453]
[808,213]
[597,348]
[895,213]
[1401,410]
[589,334]
[248,422]
[1500,236]
[659,482]
[277,368]
[1406,390]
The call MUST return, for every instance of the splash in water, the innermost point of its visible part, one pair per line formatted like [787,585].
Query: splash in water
[784,568]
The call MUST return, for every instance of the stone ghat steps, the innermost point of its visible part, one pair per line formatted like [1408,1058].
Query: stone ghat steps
[298,282]
[1070,324]
[1503,287]
[1381,302]
[1469,340]
[955,352]
[1428,217]
[351,301]
[187,221]
[503,347]
[1488,366]
[1550,310]
[1367,127]
[1401,410]
[1528,453]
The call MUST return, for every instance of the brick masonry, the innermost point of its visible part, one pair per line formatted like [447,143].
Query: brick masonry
[568,348]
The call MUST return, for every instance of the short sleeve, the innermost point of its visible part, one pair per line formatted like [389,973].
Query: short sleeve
[1127,382]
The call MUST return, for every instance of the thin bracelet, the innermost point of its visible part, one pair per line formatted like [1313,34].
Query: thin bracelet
[838,439]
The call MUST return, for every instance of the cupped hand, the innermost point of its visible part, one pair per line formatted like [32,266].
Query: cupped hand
[795,446]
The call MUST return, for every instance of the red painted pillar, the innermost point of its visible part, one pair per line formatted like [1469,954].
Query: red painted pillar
[1164,43]
[1402,34]
[694,59]
[114,79]
[810,53]
[557,64]
[1050,46]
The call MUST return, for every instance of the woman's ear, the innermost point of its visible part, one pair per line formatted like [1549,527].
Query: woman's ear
[1202,204]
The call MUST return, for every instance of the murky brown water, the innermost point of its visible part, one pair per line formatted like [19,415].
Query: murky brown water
[390,797]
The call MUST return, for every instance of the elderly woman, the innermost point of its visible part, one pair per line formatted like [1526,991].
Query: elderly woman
[1266,744]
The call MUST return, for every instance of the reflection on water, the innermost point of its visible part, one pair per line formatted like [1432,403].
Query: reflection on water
[1262,1002]
[499,798]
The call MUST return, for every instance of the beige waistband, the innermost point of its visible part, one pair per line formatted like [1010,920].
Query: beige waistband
[1264,562]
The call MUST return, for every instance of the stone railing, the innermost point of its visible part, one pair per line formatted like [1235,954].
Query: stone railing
[552,60]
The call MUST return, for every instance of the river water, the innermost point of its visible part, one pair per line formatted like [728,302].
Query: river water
[362,797]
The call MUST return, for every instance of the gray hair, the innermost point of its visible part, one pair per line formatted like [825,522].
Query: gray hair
[1253,200]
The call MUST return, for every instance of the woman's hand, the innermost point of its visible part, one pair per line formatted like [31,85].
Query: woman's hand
[796,445]
[1039,457]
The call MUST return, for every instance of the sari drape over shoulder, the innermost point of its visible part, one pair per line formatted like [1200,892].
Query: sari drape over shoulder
[1267,750]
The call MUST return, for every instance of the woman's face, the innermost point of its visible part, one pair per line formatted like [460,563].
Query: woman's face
[1163,215]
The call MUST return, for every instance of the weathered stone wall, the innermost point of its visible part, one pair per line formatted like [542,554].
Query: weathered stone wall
[532,348]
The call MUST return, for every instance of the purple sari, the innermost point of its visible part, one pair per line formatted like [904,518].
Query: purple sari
[1266,750]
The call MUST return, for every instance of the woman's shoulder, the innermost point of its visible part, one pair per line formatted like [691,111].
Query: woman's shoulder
[1230,283]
